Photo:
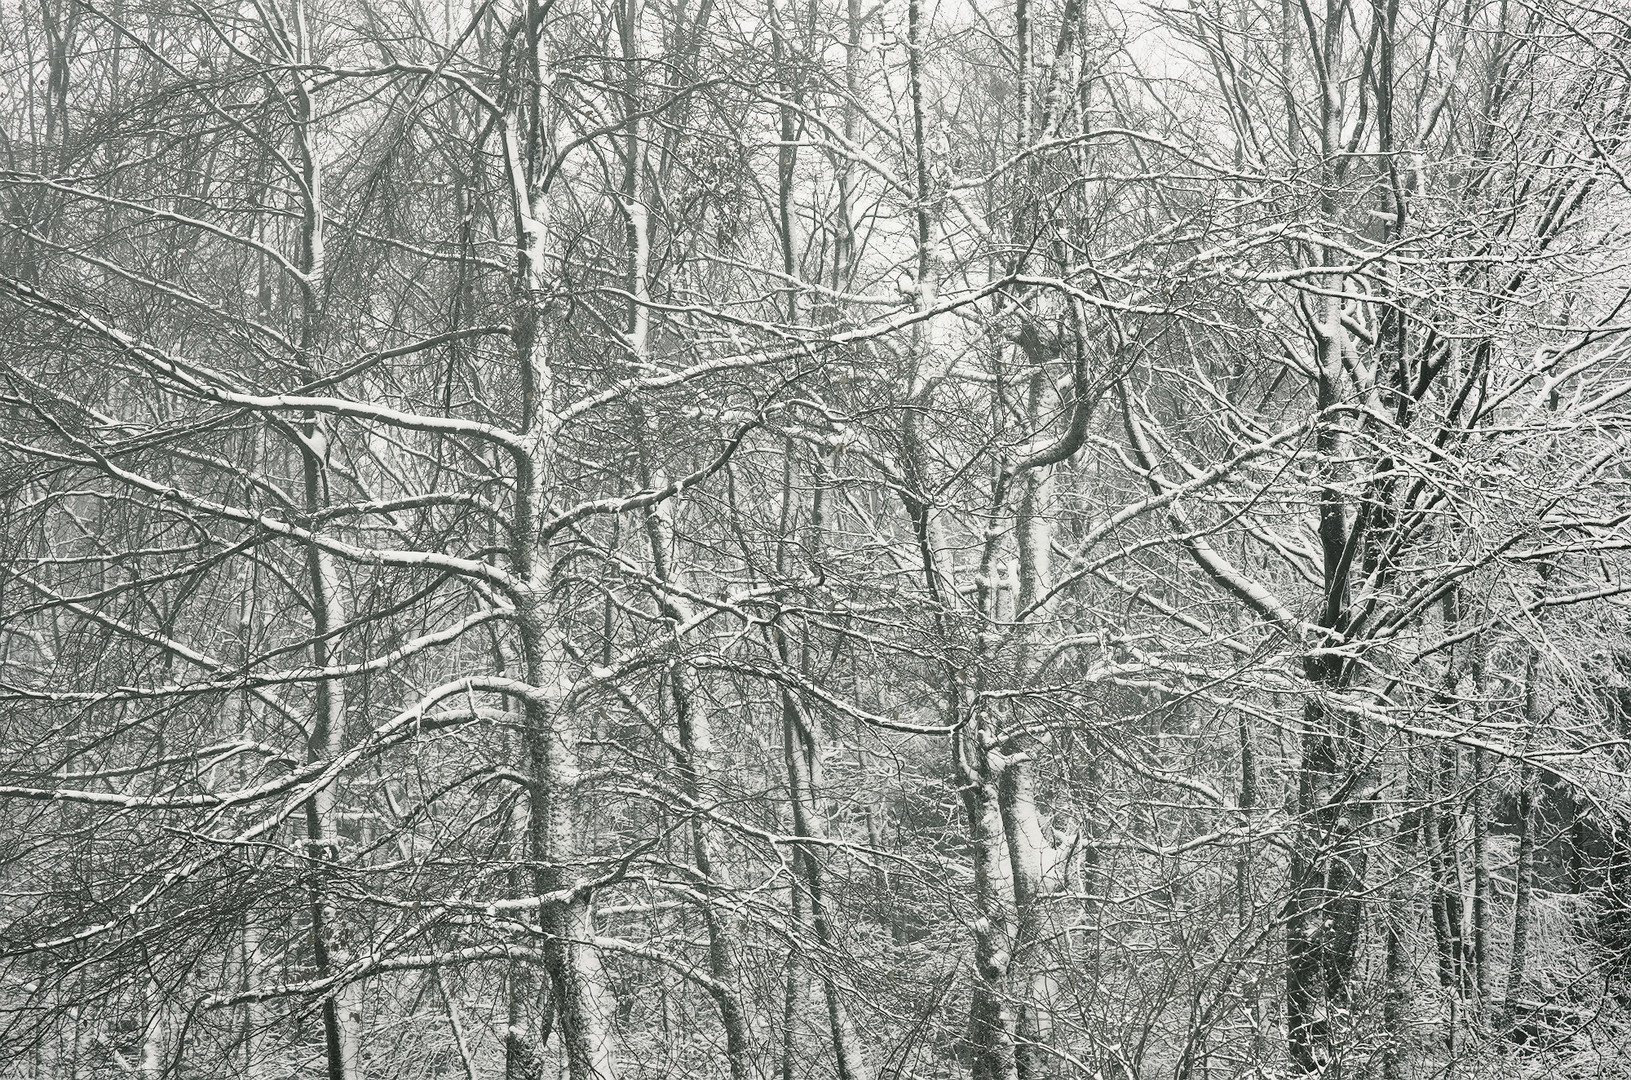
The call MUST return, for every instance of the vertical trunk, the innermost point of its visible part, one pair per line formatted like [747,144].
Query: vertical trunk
[1327,864]
[1306,1023]
[795,990]
[1615,912]
[694,760]
[723,948]
[1443,925]
[254,1013]
[992,1024]
[786,158]
[1326,913]
[1244,889]
[1027,984]
[844,242]
[1451,879]
[636,217]
[1480,881]
[153,1040]
[461,1044]
[1525,869]
[1245,883]
[582,1000]
[1463,685]
[341,1008]
[801,746]
[1524,893]
[888,914]
[251,956]
[794,982]
[1397,923]
[342,1020]
[524,1037]
[800,743]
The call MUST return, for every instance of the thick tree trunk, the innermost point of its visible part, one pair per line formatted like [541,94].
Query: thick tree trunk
[1326,910]
[1441,829]
[993,1027]
[583,1005]
[526,1033]
[1027,981]
[1306,1020]
[582,1000]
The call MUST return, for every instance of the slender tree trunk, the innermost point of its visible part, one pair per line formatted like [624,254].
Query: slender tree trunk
[342,1020]
[1396,926]
[795,984]
[800,741]
[695,748]
[1245,889]
[155,1035]
[1245,881]
[694,759]
[1517,969]
[254,1014]
[1481,899]
[1524,893]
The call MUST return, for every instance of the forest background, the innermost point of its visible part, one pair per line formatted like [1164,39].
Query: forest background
[702,538]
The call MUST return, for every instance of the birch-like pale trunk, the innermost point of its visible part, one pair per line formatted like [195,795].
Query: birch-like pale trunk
[993,1026]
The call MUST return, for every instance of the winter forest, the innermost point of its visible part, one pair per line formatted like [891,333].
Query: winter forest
[802,539]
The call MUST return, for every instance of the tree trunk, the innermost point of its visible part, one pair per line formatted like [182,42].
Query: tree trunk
[1026,982]
[1306,1022]
[342,1021]
[1525,868]
[800,742]
[1524,893]
[693,759]
[993,1026]
[1481,881]
[1397,920]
